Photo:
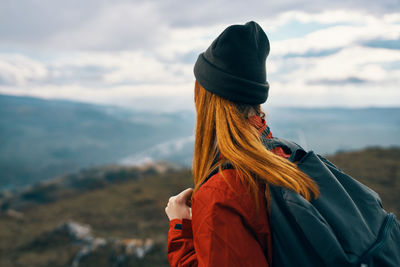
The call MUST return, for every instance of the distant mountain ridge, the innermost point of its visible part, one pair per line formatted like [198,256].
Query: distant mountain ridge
[41,139]
[328,130]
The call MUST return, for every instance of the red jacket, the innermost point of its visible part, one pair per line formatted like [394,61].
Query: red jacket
[225,229]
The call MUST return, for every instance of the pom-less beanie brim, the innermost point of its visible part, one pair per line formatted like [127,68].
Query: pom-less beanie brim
[229,86]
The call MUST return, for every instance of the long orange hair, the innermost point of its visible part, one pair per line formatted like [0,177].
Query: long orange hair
[221,125]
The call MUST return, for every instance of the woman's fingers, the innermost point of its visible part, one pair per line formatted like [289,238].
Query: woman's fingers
[184,195]
[178,206]
[182,198]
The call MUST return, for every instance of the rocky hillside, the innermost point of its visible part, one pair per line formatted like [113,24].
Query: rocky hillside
[109,216]
[114,216]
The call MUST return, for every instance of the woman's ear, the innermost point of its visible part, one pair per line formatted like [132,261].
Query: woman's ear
[251,113]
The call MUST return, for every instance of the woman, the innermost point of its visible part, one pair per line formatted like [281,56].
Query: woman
[226,223]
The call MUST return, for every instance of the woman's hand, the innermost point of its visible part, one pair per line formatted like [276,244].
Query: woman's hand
[177,207]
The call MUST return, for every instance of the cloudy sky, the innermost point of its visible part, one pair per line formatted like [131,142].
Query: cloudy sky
[140,54]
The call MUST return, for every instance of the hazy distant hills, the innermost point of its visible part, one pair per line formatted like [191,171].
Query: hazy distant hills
[41,139]
[327,130]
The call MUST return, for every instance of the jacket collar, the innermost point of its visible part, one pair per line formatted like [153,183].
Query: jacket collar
[260,125]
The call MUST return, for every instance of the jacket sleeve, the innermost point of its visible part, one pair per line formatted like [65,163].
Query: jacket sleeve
[180,249]
[220,237]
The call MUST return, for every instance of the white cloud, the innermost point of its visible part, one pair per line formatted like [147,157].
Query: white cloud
[354,61]
[335,37]
[138,68]
[112,68]
[354,76]
[186,40]
[350,74]
[303,95]
[19,70]
[324,17]
[117,26]
[124,95]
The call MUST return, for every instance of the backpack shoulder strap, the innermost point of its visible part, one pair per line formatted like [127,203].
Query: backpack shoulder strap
[295,150]
[228,165]
[289,147]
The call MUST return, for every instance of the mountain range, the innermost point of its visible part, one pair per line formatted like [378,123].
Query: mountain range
[42,139]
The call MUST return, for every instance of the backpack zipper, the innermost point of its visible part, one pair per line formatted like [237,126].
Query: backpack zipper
[382,236]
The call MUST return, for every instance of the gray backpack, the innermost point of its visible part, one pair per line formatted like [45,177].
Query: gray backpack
[345,226]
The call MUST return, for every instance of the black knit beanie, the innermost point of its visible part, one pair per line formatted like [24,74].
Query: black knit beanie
[233,67]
